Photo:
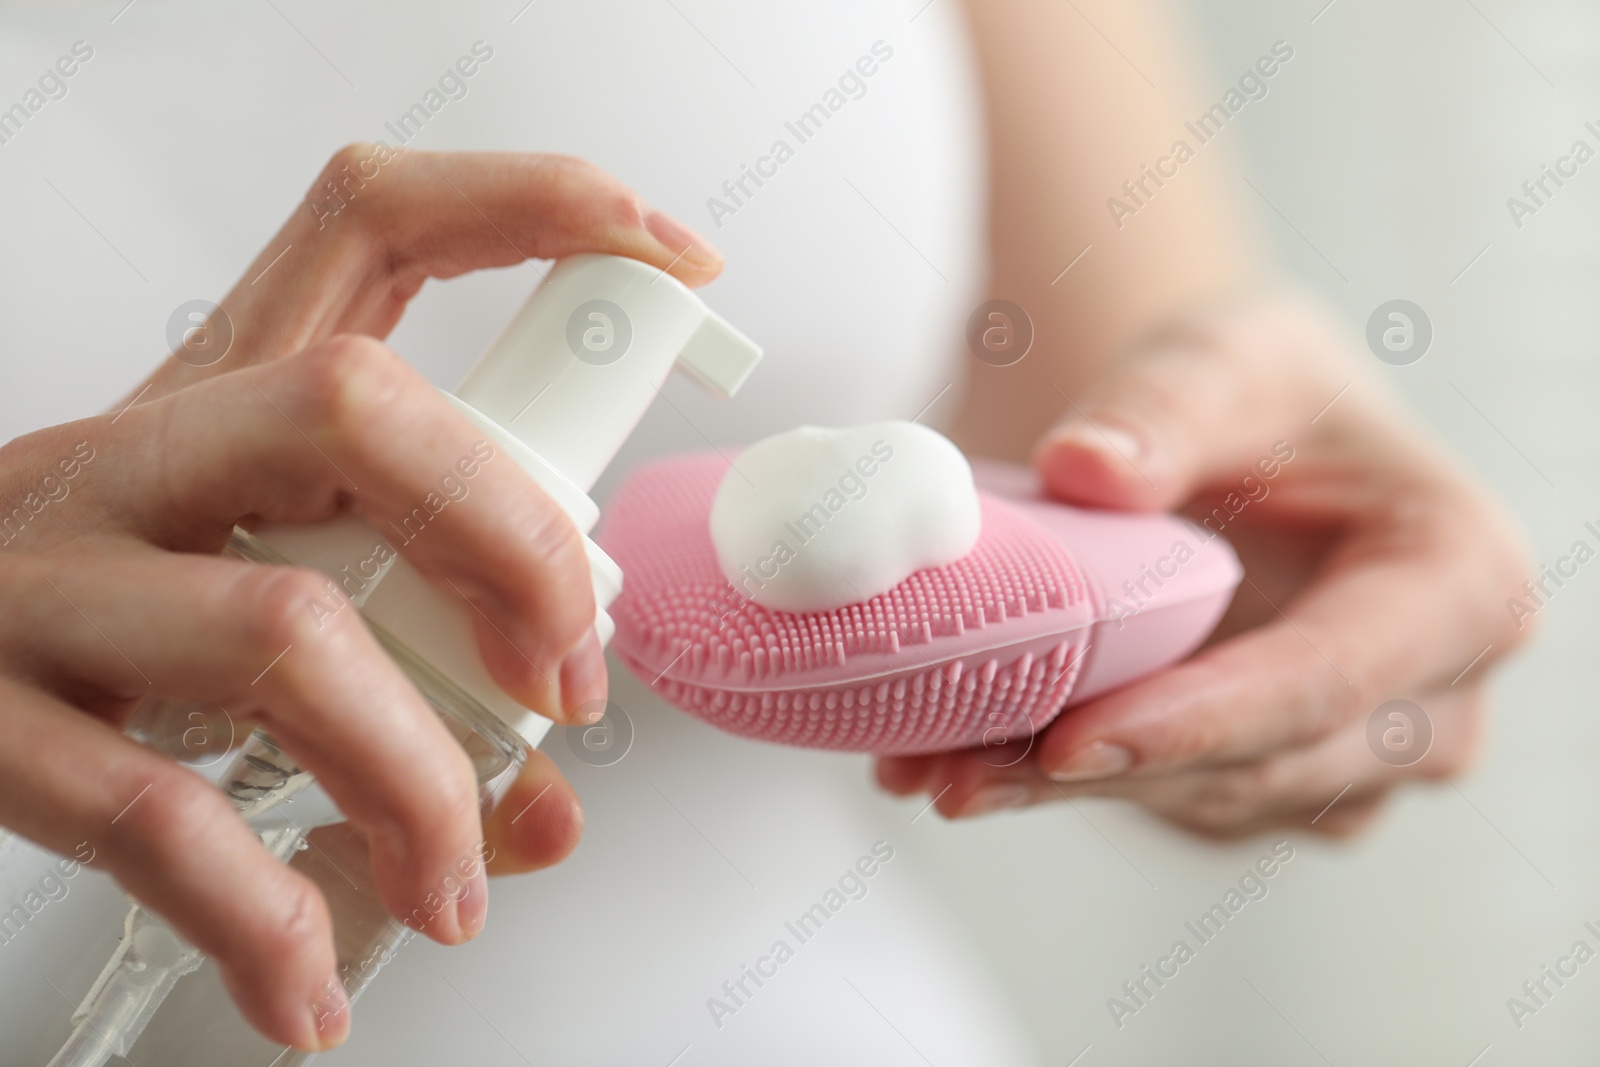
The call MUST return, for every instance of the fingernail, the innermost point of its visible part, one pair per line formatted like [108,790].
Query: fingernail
[1100,759]
[997,798]
[473,907]
[330,1016]
[583,678]
[1104,438]
[682,240]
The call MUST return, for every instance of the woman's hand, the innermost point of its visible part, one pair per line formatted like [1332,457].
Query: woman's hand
[1374,570]
[110,530]
[378,222]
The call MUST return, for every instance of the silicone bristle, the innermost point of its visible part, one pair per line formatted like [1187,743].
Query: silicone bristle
[982,650]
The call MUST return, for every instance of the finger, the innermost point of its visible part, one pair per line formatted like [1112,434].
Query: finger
[904,775]
[247,637]
[1376,622]
[1315,787]
[1300,787]
[1192,410]
[378,222]
[1346,813]
[1349,819]
[537,823]
[75,786]
[347,427]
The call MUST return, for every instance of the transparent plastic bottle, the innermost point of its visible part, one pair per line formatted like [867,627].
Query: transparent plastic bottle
[263,782]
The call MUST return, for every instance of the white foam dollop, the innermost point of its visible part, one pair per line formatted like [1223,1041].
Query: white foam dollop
[817,518]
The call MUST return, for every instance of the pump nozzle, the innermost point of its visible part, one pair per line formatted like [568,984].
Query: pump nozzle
[574,371]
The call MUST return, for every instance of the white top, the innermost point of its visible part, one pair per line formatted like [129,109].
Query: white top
[179,148]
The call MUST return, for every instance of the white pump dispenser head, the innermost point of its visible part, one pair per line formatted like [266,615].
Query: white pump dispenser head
[558,393]
[571,376]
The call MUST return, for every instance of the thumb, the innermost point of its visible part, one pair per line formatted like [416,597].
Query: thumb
[1163,426]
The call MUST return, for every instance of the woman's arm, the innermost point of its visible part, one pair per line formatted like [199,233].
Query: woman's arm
[1072,114]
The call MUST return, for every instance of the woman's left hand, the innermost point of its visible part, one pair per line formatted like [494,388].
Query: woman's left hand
[1375,569]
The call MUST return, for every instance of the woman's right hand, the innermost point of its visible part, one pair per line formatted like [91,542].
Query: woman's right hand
[110,530]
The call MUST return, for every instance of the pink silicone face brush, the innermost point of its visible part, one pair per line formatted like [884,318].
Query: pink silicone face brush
[1054,605]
